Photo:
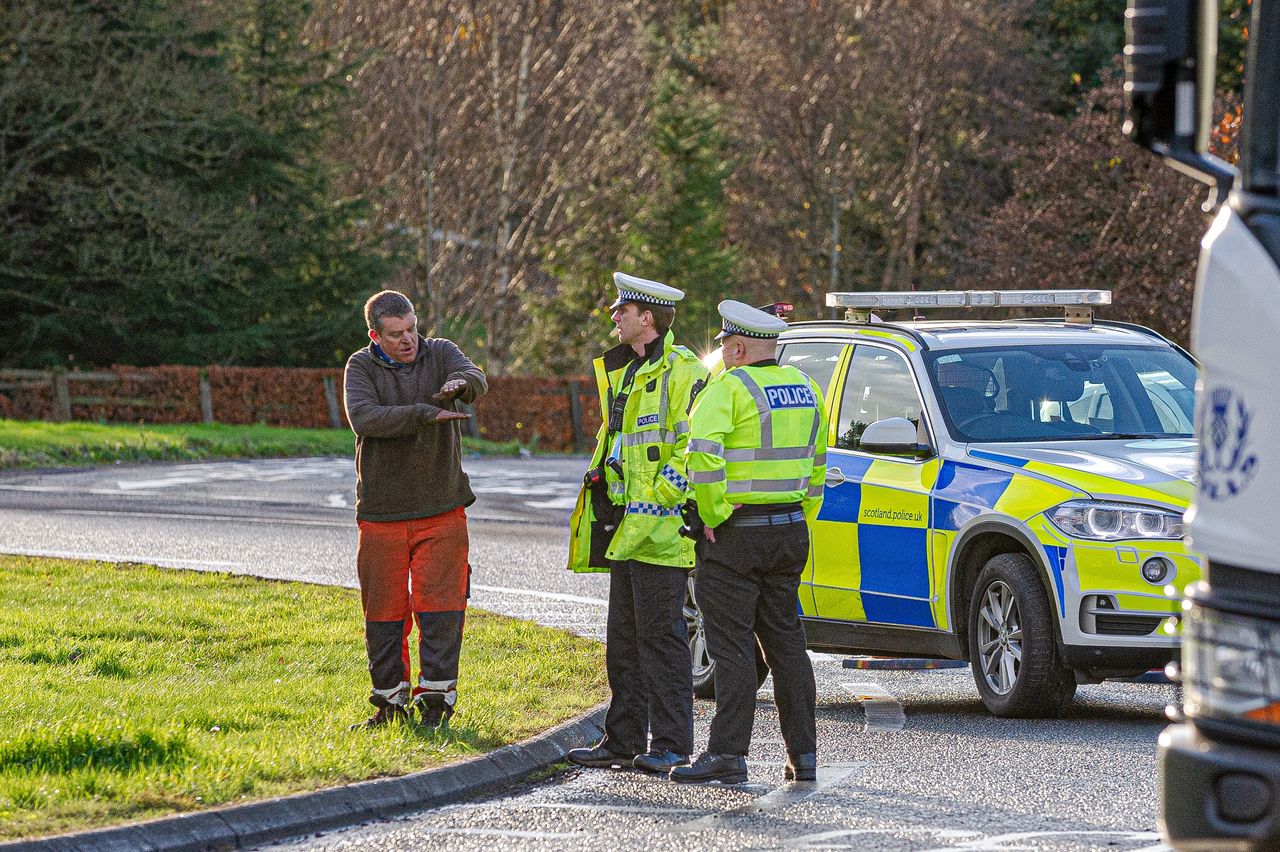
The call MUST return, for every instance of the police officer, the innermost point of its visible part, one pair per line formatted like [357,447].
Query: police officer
[757,459]
[628,522]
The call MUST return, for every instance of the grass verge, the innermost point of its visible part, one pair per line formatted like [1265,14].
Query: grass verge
[34,443]
[133,692]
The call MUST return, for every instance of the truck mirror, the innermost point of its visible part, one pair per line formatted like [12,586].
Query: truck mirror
[1167,99]
[1170,56]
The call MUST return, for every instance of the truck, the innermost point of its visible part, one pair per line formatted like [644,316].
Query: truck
[1220,765]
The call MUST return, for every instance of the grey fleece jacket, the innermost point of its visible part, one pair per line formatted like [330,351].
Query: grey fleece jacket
[407,464]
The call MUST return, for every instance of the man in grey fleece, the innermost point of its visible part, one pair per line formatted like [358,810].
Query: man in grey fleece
[410,498]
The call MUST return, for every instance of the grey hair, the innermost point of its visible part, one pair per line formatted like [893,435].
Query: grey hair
[388,303]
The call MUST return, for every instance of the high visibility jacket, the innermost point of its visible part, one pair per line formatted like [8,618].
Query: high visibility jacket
[650,449]
[758,436]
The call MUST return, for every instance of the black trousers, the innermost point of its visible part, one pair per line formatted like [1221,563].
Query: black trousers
[747,583]
[647,658]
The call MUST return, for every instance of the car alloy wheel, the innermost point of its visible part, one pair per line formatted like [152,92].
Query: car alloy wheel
[1000,637]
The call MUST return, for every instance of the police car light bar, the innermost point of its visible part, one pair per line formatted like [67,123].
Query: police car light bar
[969,299]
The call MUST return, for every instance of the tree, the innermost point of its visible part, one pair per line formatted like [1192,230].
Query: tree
[1092,210]
[678,234]
[151,213]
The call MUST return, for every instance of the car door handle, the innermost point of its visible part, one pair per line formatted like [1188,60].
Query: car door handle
[835,476]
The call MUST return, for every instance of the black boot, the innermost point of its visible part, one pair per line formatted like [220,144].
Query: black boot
[725,768]
[386,715]
[801,767]
[600,757]
[434,711]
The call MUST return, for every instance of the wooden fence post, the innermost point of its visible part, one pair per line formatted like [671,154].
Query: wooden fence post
[61,395]
[206,397]
[331,397]
[575,415]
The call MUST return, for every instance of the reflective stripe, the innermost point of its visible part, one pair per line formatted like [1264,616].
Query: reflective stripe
[769,454]
[814,490]
[398,695]
[651,509]
[666,381]
[820,460]
[648,436]
[762,407]
[682,427]
[702,477]
[438,685]
[705,445]
[767,485]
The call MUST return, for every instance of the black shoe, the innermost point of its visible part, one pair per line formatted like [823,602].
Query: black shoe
[725,768]
[659,761]
[599,758]
[433,710]
[385,716]
[801,767]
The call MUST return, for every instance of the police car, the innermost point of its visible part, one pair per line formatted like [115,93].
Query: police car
[1008,493]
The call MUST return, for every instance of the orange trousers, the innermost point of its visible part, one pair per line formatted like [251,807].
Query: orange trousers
[407,569]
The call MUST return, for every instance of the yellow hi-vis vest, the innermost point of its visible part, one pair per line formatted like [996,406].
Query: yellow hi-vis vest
[758,436]
[650,448]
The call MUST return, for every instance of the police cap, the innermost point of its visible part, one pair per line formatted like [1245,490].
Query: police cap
[643,291]
[740,318]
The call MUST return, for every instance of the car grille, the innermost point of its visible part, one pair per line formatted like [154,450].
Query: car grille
[1127,625]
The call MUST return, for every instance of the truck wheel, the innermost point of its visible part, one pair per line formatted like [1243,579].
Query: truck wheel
[1014,657]
[704,668]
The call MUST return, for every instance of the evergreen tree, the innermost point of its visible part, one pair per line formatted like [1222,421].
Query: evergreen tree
[678,237]
[151,213]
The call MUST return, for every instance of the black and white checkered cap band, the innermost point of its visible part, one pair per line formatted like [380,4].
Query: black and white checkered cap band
[625,295]
[733,328]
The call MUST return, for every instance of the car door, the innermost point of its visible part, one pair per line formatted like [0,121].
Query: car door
[819,360]
[870,540]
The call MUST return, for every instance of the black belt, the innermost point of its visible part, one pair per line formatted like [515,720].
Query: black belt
[776,519]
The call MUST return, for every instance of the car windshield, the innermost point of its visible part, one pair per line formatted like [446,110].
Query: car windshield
[1065,392]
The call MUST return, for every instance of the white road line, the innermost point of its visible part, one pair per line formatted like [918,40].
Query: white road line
[550,596]
[1000,843]
[194,564]
[775,799]
[204,564]
[883,711]
[238,519]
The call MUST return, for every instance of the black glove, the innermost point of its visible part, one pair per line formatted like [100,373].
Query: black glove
[693,525]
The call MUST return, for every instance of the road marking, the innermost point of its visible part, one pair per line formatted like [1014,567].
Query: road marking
[337,500]
[550,596]
[192,564]
[622,809]
[238,519]
[502,832]
[973,841]
[883,711]
[776,799]
[1000,842]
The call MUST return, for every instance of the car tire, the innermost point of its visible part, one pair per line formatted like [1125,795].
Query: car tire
[1013,653]
[704,668]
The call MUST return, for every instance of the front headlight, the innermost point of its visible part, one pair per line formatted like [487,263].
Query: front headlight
[1230,666]
[1105,521]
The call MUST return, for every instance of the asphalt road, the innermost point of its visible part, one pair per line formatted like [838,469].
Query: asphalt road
[909,760]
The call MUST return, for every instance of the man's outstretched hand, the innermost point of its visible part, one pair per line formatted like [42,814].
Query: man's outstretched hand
[446,414]
[450,391]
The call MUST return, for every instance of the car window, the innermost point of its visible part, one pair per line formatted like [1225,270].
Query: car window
[1064,391]
[817,360]
[878,385]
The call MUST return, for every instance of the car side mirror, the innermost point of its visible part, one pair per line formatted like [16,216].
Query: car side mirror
[893,436]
